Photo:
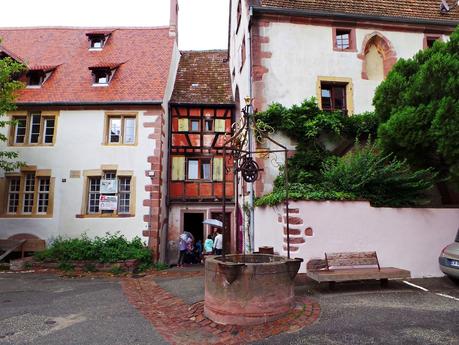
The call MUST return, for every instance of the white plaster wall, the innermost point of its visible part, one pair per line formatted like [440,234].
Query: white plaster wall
[241,78]
[79,146]
[409,238]
[301,53]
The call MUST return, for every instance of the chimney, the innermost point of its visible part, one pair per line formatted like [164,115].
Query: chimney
[173,24]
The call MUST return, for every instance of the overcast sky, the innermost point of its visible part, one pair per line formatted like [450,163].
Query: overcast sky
[203,24]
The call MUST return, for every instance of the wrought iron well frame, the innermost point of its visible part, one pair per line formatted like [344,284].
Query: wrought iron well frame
[238,154]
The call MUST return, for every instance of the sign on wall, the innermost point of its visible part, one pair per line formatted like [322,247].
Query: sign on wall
[108,203]
[108,186]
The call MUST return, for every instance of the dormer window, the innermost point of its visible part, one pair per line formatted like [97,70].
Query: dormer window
[35,78]
[101,76]
[38,74]
[97,40]
[103,73]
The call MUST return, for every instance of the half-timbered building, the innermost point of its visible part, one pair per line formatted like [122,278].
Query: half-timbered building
[201,116]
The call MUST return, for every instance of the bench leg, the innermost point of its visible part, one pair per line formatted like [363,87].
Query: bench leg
[384,282]
[331,285]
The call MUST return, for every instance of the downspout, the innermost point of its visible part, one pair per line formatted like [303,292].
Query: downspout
[250,136]
[168,173]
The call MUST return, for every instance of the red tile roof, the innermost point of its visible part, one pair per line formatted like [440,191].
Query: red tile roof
[146,53]
[414,9]
[203,77]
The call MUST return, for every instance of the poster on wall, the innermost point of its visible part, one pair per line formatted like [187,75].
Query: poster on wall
[108,186]
[108,202]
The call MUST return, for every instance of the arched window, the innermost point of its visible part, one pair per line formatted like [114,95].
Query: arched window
[378,56]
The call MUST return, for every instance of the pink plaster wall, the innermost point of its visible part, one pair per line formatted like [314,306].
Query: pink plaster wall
[409,238]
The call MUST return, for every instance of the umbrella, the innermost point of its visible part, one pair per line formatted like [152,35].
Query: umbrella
[213,222]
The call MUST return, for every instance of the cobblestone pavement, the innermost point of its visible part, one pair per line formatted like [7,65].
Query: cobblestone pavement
[45,309]
[182,323]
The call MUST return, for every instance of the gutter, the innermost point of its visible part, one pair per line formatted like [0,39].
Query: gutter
[83,104]
[349,16]
[197,104]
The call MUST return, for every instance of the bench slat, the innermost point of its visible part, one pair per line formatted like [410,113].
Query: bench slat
[351,259]
[340,275]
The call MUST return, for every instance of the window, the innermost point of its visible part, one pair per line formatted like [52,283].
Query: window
[243,52]
[121,129]
[195,125]
[109,194]
[335,94]
[333,97]
[344,39]
[429,40]
[35,78]
[29,194]
[198,169]
[35,128]
[208,125]
[97,40]
[102,76]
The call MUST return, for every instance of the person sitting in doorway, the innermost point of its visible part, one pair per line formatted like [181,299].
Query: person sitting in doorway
[218,242]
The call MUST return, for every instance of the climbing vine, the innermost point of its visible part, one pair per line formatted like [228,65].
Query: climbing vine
[331,164]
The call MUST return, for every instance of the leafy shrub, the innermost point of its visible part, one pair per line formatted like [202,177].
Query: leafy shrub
[66,266]
[117,270]
[364,174]
[107,249]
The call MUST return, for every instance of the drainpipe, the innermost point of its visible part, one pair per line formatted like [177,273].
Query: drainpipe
[250,134]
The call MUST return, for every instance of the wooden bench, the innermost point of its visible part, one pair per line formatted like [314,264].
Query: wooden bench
[340,267]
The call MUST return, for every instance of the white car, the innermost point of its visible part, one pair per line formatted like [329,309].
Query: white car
[449,259]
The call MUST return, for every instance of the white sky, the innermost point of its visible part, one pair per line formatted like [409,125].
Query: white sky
[203,24]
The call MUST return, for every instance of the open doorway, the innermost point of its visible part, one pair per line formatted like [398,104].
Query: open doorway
[192,222]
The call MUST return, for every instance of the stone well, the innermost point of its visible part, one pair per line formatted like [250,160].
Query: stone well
[259,290]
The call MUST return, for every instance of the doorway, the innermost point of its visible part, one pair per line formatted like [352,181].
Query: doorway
[192,222]
[227,235]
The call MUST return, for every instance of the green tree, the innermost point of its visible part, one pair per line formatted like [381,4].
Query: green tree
[9,69]
[418,108]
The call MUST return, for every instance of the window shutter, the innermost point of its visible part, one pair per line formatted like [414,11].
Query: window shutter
[178,168]
[218,169]
[183,125]
[220,126]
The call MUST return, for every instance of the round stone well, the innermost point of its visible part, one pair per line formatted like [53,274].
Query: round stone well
[250,289]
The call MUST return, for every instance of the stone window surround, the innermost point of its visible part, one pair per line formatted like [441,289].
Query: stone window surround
[100,173]
[341,80]
[4,187]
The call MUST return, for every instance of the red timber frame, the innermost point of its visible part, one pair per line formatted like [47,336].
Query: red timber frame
[202,145]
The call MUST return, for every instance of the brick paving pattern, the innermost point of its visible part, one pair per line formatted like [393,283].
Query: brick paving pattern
[181,323]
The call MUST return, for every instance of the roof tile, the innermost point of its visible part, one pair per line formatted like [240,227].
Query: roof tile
[146,53]
[203,77]
[414,9]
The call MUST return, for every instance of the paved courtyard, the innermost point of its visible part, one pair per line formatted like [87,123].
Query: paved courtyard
[166,308]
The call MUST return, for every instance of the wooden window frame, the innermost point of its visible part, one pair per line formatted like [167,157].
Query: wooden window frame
[38,176]
[431,37]
[352,39]
[122,116]
[243,53]
[94,38]
[44,116]
[190,129]
[200,171]
[339,81]
[100,173]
